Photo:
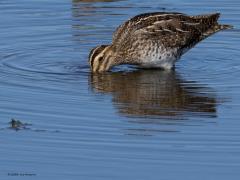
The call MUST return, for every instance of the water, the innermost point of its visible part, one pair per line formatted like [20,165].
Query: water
[131,124]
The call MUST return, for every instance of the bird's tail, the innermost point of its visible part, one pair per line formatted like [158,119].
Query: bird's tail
[214,29]
[224,26]
[207,19]
[209,22]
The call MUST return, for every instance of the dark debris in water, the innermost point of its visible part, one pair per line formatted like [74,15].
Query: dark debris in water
[18,125]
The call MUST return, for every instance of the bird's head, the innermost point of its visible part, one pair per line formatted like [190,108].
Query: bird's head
[101,58]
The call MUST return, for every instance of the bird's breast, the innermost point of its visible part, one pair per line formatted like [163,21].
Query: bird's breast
[158,57]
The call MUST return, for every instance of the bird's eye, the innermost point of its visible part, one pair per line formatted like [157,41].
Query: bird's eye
[101,58]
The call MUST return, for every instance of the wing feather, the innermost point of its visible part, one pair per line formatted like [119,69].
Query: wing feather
[171,29]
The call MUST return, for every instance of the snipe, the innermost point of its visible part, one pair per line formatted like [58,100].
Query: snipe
[154,40]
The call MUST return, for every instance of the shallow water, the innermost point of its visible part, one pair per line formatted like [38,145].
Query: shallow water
[128,124]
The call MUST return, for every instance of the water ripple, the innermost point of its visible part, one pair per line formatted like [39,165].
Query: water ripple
[125,124]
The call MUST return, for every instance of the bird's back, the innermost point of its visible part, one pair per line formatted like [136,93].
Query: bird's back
[172,28]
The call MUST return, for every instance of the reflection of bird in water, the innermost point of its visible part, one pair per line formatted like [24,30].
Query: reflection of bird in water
[154,40]
[87,14]
[155,94]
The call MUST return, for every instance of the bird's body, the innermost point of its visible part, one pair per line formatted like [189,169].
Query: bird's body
[154,40]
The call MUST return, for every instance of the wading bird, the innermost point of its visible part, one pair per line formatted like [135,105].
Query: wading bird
[154,40]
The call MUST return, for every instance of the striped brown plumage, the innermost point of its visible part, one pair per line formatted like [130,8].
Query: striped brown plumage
[154,40]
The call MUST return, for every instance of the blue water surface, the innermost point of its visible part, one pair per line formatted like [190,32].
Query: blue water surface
[127,124]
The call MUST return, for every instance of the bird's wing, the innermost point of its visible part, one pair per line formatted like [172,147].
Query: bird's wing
[172,29]
[138,22]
